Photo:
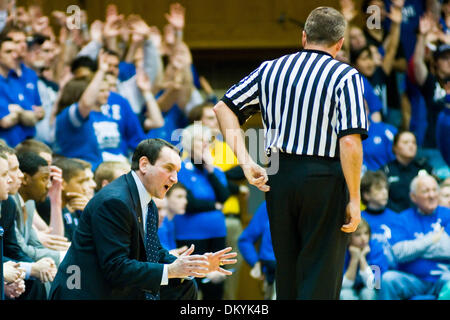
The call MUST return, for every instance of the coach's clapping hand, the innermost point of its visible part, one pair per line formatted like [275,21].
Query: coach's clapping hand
[188,265]
[256,175]
[220,258]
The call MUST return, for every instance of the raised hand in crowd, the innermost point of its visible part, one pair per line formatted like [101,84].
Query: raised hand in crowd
[154,118]
[138,28]
[348,10]
[96,31]
[112,29]
[156,37]
[176,16]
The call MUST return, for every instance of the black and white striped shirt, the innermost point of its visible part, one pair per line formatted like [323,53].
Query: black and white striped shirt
[308,100]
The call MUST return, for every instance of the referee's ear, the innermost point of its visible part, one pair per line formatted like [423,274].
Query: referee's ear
[339,44]
[303,38]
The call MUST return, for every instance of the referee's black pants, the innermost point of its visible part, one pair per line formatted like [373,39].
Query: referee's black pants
[306,205]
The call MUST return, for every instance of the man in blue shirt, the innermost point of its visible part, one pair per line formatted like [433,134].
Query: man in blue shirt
[421,245]
[19,101]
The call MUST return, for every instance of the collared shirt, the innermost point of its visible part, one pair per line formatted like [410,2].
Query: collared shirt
[145,198]
[307,100]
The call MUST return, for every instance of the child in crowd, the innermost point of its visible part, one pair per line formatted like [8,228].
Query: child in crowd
[108,171]
[174,203]
[364,264]
[375,195]
[75,193]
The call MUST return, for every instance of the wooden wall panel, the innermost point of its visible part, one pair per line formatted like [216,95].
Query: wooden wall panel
[213,24]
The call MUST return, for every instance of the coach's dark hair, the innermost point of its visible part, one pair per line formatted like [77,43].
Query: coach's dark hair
[30,162]
[325,26]
[150,148]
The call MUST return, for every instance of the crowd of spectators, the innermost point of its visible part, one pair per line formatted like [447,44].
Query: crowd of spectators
[75,102]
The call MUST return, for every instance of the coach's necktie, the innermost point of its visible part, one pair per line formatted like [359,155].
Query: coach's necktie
[151,240]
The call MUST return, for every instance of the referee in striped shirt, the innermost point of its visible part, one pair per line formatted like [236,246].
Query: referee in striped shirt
[314,119]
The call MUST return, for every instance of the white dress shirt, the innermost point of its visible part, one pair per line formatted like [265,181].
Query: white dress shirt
[145,198]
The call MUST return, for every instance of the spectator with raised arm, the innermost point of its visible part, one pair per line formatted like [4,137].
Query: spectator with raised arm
[433,84]
[364,62]
[102,120]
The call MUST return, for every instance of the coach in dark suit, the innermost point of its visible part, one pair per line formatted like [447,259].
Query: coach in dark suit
[115,251]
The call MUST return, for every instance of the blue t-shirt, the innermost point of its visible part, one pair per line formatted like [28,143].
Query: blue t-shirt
[126,71]
[166,233]
[29,81]
[104,135]
[173,119]
[22,91]
[378,146]
[381,225]
[414,225]
[258,228]
[411,13]
[199,225]
[373,102]
[375,259]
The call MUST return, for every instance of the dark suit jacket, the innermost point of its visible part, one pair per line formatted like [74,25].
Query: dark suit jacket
[11,249]
[108,248]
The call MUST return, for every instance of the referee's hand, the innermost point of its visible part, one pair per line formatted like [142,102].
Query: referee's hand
[256,175]
[353,217]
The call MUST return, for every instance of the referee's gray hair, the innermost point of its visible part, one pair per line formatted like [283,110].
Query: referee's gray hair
[325,26]
[194,130]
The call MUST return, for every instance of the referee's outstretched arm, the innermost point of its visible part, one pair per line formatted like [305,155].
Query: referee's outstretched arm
[231,130]
[351,155]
